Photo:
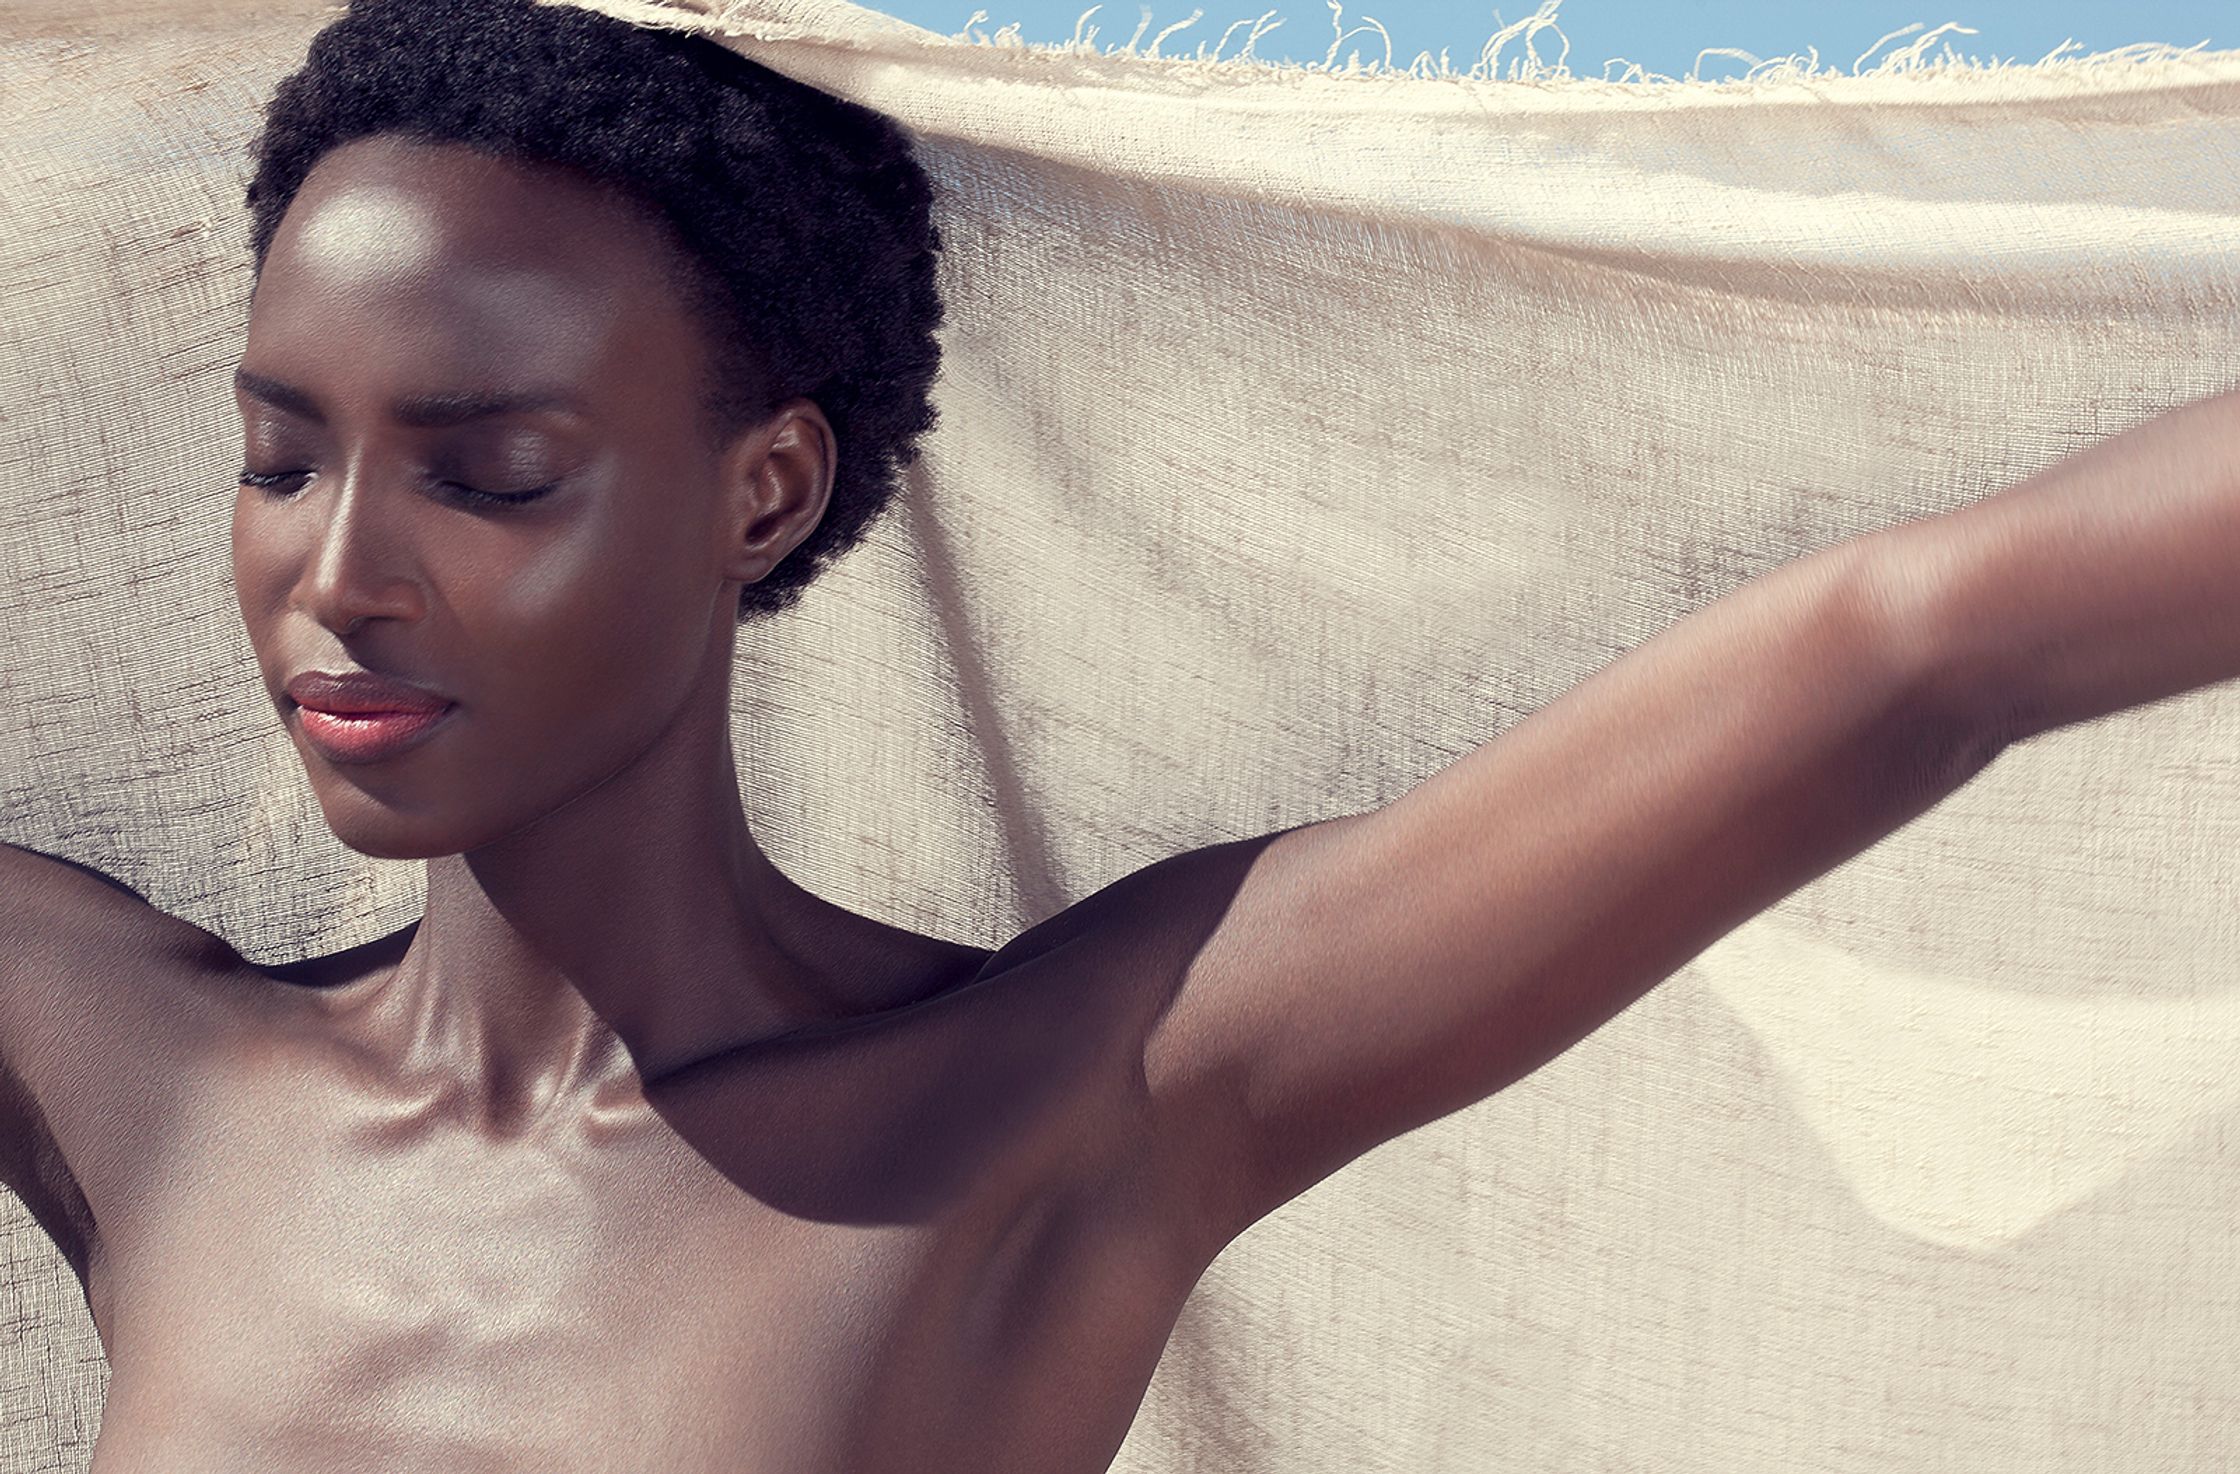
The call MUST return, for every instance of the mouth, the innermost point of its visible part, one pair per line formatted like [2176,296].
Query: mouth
[368,736]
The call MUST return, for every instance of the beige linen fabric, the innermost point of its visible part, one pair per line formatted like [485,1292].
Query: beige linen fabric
[1301,431]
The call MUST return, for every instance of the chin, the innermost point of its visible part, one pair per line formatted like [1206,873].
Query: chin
[364,824]
[383,850]
[390,842]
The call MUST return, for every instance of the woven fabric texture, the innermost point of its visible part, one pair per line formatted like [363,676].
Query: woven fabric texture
[1303,430]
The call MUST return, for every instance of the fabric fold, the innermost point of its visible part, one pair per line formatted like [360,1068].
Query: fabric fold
[1303,429]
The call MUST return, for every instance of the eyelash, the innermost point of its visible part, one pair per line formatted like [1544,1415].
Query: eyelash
[269,483]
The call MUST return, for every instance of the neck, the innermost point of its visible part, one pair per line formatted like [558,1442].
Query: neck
[637,929]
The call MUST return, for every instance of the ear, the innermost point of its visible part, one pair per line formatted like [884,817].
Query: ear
[777,481]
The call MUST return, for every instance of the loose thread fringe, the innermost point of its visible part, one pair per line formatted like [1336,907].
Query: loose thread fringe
[1907,60]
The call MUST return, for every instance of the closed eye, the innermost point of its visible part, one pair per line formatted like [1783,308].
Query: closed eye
[274,484]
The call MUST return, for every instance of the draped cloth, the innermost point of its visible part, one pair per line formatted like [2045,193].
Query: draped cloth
[1302,429]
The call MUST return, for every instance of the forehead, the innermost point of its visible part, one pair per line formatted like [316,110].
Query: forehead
[436,252]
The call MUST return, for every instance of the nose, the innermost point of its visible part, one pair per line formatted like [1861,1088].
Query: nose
[360,566]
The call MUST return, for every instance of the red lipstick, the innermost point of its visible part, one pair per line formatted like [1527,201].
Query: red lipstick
[360,717]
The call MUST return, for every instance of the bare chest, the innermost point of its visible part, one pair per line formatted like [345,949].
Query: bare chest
[778,1276]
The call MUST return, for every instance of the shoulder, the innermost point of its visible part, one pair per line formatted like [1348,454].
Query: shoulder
[73,935]
[84,959]
[1118,965]
[54,902]
[1152,920]
[90,967]
[58,910]
[91,971]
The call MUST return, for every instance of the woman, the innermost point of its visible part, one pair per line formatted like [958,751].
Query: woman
[572,345]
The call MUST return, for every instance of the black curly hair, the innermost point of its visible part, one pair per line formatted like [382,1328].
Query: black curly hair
[805,222]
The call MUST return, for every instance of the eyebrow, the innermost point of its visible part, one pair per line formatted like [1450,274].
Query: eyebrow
[420,411]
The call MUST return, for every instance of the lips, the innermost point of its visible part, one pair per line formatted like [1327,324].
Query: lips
[361,717]
[367,739]
[361,693]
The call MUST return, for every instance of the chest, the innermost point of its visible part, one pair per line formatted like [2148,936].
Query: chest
[743,1287]
[499,1313]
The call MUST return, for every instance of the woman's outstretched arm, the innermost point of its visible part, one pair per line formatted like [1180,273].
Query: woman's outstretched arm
[1378,971]
[58,919]
[81,952]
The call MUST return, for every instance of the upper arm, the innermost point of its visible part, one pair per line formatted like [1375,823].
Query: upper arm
[63,922]
[1375,972]
[54,914]
[56,909]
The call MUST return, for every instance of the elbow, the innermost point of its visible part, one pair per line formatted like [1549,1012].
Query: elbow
[1957,720]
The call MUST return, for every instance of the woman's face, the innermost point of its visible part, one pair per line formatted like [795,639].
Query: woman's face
[567,631]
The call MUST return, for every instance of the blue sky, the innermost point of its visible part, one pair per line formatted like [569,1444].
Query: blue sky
[1661,35]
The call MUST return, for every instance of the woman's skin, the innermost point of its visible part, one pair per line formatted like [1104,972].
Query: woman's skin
[634,1154]
[596,902]
[608,962]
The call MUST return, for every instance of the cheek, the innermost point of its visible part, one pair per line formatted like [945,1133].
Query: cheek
[257,583]
[610,620]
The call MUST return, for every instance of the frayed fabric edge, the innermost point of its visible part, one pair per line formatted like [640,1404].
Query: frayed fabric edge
[1529,67]
[1907,73]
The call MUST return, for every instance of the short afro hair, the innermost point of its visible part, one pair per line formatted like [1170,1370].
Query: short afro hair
[805,221]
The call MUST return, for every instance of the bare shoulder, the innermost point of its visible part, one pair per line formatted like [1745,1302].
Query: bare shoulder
[86,967]
[60,909]
[79,919]
[89,966]
[71,933]
[1138,942]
